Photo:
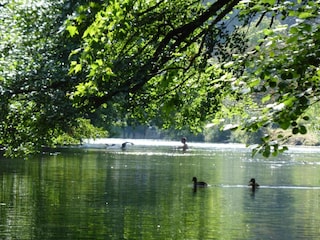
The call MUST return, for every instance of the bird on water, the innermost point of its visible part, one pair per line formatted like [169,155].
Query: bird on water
[124,145]
[253,184]
[198,184]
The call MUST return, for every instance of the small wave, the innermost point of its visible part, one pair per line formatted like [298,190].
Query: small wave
[273,187]
[144,153]
[292,187]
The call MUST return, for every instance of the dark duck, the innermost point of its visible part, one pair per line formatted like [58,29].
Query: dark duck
[198,184]
[124,145]
[253,184]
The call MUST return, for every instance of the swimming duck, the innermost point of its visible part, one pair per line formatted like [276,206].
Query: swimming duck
[124,145]
[198,184]
[253,184]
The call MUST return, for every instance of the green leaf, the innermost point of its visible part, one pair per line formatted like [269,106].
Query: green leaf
[303,130]
[292,39]
[271,2]
[267,32]
[266,152]
[254,83]
[304,15]
[77,68]
[295,130]
[285,125]
[266,98]
[89,32]
[289,102]
[72,30]
[294,30]
[99,62]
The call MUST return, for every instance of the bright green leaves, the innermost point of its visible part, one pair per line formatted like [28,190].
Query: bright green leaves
[141,60]
[90,31]
[304,15]
[75,67]
[98,67]
[86,89]
[267,32]
[120,47]
[283,73]
[270,2]
[34,66]
[142,57]
[82,129]
[72,30]
[306,11]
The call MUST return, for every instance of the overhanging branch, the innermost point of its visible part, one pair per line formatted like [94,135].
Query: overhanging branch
[174,38]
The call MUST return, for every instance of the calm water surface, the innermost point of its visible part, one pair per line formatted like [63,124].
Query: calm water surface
[146,193]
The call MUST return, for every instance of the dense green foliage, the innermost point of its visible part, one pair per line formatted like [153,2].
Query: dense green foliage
[34,80]
[284,72]
[174,63]
[183,61]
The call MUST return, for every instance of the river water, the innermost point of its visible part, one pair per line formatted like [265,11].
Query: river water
[146,192]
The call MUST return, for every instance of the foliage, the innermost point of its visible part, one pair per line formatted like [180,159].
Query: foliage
[174,63]
[139,54]
[284,72]
[34,79]
[75,135]
[178,60]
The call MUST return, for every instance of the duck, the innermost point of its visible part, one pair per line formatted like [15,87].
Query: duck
[124,145]
[253,184]
[198,184]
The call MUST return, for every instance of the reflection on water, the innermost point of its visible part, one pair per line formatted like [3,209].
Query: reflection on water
[147,193]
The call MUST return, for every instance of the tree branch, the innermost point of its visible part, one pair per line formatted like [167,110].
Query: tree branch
[179,35]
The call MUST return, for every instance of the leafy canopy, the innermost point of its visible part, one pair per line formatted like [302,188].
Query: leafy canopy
[178,62]
[34,80]
[156,58]
[181,63]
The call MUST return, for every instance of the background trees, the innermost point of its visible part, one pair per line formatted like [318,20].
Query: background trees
[173,63]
